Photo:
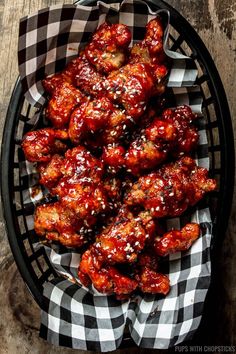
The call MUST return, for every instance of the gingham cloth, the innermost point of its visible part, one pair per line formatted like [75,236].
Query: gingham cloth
[75,316]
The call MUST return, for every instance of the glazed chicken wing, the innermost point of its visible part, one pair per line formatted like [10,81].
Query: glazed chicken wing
[80,163]
[86,199]
[55,222]
[64,99]
[181,119]
[153,282]
[51,172]
[77,162]
[124,238]
[108,47]
[80,73]
[131,86]
[150,51]
[176,241]
[97,115]
[144,155]
[120,242]
[80,188]
[171,134]
[147,275]
[106,279]
[40,145]
[172,189]
[98,123]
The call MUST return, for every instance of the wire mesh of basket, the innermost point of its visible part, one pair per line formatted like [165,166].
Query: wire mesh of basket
[34,265]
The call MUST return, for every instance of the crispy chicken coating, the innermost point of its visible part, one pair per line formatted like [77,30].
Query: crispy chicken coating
[108,47]
[172,189]
[64,99]
[124,239]
[112,186]
[144,155]
[57,223]
[176,241]
[40,145]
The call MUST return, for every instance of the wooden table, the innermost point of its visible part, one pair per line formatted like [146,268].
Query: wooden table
[214,20]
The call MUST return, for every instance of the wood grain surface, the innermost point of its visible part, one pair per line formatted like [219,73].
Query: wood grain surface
[214,21]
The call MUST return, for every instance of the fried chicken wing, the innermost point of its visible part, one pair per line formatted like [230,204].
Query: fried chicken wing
[77,162]
[80,163]
[57,223]
[176,241]
[120,242]
[91,117]
[147,275]
[90,270]
[108,47]
[40,145]
[154,37]
[144,155]
[172,189]
[51,172]
[80,188]
[131,86]
[80,73]
[105,279]
[187,135]
[150,51]
[64,99]
[123,285]
[171,134]
[86,199]
[123,240]
[153,282]
[99,115]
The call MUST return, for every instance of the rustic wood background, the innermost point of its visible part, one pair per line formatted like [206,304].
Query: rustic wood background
[214,20]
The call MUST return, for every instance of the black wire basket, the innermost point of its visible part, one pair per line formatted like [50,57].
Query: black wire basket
[34,266]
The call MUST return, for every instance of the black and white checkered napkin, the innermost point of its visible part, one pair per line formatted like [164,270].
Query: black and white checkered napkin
[75,316]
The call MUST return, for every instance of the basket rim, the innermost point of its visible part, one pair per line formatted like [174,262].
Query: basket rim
[225,134]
